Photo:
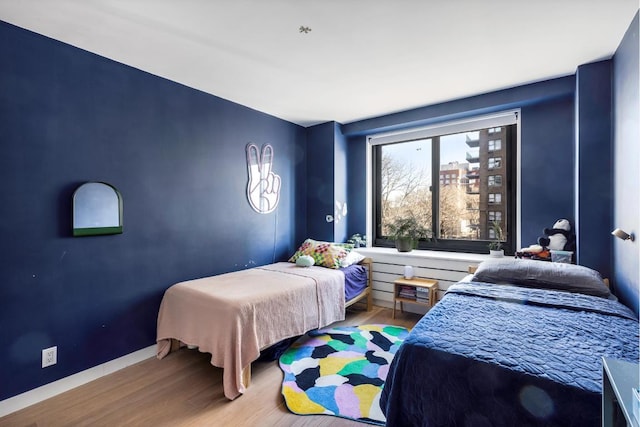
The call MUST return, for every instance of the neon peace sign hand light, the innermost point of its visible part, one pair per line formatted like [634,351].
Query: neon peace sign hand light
[263,188]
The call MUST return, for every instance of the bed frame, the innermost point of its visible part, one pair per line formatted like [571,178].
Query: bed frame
[429,380]
[366,293]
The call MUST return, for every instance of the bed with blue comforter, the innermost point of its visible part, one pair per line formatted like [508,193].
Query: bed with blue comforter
[503,355]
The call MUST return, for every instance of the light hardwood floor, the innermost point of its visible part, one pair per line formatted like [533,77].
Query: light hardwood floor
[184,389]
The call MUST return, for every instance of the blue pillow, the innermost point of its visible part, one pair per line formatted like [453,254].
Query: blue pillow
[544,275]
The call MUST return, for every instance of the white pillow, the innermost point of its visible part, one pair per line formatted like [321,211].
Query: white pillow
[352,257]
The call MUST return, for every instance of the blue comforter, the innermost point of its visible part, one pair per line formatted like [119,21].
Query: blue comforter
[500,355]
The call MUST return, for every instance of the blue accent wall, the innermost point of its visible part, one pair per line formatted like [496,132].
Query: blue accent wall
[177,155]
[327,182]
[593,166]
[547,148]
[529,94]
[320,180]
[547,164]
[340,183]
[626,166]
[356,191]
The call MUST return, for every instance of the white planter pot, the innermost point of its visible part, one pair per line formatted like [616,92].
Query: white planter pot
[496,254]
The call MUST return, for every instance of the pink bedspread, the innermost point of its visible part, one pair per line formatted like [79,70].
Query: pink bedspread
[235,315]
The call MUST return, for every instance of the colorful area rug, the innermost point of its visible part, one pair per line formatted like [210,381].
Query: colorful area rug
[340,371]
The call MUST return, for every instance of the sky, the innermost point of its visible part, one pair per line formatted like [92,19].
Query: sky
[417,154]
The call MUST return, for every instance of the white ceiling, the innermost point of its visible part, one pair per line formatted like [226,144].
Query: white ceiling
[361,59]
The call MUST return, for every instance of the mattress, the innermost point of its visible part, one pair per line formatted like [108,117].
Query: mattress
[500,355]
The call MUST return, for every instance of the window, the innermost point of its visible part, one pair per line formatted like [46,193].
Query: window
[494,144]
[404,166]
[495,216]
[494,180]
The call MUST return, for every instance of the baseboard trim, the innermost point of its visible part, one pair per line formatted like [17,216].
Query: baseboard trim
[47,391]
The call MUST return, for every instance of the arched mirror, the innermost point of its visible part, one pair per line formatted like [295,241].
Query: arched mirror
[97,209]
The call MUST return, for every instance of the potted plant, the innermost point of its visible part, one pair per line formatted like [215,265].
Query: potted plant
[406,231]
[495,246]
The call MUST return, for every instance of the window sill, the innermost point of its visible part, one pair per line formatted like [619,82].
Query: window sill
[424,254]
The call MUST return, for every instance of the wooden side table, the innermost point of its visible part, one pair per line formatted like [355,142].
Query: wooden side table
[430,285]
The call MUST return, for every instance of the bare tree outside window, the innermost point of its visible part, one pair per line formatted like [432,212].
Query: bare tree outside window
[406,182]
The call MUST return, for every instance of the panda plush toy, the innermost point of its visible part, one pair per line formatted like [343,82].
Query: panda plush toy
[558,238]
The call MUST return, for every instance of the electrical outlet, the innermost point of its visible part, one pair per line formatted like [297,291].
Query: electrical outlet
[49,356]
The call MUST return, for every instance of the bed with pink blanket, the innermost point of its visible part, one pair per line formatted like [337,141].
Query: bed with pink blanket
[235,315]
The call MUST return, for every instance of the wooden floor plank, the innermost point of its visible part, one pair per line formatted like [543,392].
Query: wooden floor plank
[185,390]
